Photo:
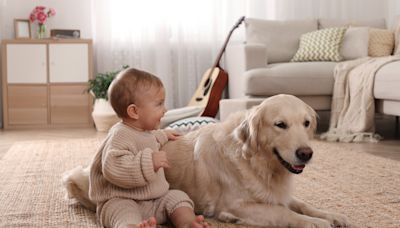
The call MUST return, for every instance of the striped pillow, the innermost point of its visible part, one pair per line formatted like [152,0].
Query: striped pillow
[190,124]
[320,45]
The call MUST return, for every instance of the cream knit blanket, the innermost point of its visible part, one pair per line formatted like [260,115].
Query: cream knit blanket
[353,104]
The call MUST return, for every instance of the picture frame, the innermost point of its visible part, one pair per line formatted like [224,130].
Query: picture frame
[22,28]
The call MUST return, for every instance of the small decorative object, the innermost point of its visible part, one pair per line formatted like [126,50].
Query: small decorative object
[40,14]
[103,115]
[22,28]
[65,33]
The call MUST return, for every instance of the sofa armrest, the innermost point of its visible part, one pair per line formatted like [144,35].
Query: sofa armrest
[240,58]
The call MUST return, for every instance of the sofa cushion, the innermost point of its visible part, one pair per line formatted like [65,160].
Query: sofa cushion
[281,38]
[381,42]
[320,45]
[355,43]
[297,78]
[387,82]
[329,23]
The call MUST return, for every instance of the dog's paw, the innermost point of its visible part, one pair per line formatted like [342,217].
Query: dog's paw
[337,220]
[228,217]
[312,223]
[209,211]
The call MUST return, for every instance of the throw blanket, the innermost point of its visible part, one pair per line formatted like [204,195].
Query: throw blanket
[353,104]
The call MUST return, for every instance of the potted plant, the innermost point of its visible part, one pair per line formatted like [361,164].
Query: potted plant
[103,114]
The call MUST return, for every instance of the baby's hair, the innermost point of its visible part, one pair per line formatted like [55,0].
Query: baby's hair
[127,86]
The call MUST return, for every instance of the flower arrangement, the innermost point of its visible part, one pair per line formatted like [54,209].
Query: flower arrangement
[40,14]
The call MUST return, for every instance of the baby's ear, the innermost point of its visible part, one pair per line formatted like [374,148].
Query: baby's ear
[132,111]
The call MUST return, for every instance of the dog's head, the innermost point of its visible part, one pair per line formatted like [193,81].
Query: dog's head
[279,128]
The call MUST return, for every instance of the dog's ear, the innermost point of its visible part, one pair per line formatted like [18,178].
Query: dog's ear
[247,133]
[241,132]
[314,118]
[254,128]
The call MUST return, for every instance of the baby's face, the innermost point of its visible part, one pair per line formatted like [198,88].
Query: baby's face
[151,108]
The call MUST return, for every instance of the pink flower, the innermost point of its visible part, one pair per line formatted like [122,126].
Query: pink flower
[40,14]
[51,12]
[41,17]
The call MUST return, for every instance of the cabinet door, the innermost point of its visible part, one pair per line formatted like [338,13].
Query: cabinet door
[69,63]
[27,104]
[26,63]
[69,104]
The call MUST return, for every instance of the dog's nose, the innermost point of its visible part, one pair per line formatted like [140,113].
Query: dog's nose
[304,154]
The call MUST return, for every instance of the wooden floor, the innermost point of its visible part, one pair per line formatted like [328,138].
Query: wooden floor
[8,137]
[389,147]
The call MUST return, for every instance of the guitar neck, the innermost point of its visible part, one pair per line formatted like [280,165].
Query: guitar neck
[221,52]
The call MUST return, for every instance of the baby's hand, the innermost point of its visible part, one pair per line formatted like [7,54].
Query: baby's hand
[160,160]
[172,135]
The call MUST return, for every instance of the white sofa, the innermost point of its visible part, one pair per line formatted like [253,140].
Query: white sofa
[261,67]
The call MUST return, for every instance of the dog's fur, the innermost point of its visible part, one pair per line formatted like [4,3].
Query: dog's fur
[240,170]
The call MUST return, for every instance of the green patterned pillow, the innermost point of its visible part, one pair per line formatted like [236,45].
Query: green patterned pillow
[320,45]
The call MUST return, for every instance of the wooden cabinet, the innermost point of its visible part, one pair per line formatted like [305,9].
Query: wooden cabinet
[45,83]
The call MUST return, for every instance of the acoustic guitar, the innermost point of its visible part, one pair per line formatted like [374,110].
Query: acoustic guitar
[209,92]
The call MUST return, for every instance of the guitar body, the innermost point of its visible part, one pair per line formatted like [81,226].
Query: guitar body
[209,93]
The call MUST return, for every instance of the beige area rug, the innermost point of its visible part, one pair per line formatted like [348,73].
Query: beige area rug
[364,187]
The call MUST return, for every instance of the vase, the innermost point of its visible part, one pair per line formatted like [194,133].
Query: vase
[41,31]
[103,114]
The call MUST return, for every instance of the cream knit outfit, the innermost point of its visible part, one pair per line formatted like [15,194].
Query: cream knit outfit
[123,171]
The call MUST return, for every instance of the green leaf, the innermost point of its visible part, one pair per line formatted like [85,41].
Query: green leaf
[100,83]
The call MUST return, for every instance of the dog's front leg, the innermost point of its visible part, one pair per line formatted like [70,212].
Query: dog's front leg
[306,209]
[272,215]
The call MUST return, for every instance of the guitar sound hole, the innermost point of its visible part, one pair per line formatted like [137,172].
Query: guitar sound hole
[206,91]
[207,86]
[207,83]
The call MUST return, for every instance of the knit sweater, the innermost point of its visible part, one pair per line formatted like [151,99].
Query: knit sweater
[123,166]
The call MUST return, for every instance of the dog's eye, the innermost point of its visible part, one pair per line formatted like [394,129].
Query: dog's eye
[306,123]
[281,125]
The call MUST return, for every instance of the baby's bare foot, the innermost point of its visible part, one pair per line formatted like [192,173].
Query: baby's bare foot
[150,223]
[199,223]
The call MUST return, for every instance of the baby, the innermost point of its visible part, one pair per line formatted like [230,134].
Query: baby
[127,179]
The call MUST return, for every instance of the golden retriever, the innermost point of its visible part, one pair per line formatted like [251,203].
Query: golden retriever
[240,170]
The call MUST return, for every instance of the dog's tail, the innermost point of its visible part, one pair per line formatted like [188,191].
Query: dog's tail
[76,182]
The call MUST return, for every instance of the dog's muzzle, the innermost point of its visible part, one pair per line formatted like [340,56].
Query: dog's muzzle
[305,155]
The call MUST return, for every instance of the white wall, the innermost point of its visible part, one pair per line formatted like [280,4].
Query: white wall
[393,11]
[71,14]
[336,9]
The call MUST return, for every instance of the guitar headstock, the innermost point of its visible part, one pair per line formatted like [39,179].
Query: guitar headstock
[241,19]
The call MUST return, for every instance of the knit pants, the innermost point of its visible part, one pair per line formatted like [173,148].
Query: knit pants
[119,212]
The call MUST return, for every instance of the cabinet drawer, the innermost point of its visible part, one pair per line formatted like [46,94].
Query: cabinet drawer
[69,104]
[27,104]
